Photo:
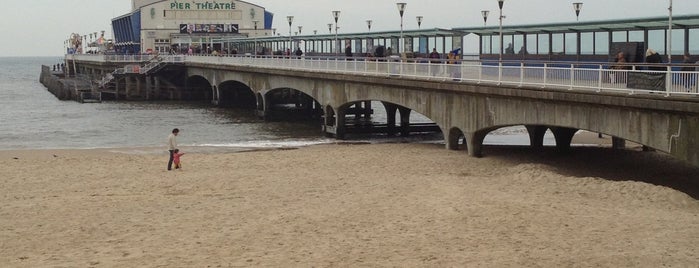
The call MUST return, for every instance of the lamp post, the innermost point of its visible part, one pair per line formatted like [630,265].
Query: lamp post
[315,32]
[485,17]
[274,31]
[330,27]
[255,33]
[368,24]
[500,3]
[577,7]
[669,35]
[336,15]
[401,10]
[300,27]
[290,19]
[419,21]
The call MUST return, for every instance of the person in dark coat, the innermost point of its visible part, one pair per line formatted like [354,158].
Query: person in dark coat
[655,59]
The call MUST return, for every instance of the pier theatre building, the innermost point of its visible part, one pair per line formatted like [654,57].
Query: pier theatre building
[178,25]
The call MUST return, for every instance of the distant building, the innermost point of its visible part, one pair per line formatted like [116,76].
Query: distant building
[165,25]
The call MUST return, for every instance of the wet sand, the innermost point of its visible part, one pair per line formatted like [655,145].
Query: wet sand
[377,205]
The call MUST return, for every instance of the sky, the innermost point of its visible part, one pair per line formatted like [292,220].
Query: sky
[40,27]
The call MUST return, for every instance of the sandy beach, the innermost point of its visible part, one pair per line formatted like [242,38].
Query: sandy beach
[377,205]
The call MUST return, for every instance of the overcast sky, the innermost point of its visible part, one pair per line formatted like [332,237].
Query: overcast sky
[39,27]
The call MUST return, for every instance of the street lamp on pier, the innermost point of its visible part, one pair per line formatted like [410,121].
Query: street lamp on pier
[500,3]
[336,15]
[669,36]
[485,17]
[290,19]
[419,21]
[577,7]
[401,11]
[368,24]
[255,33]
[300,27]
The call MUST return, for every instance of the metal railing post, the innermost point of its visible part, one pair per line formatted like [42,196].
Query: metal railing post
[480,72]
[546,73]
[521,74]
[572,76]
[668,81]
[599,79]
[500,73]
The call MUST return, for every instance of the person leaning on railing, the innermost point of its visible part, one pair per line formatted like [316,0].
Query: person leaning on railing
[620,63]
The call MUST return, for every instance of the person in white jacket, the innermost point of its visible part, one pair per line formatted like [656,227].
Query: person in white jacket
[172,145]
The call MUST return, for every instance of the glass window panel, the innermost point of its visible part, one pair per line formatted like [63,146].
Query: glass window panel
[656,40]
[694,41]
[586,43]
[518,41]
[557,42]
[571,43]
[485,45]
[636,36]
[531,44]
[677,42]
[619,36]
[544,44]
[496,44]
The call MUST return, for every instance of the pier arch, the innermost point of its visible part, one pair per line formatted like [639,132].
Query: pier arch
[236,94]
[290,103]
[197,88]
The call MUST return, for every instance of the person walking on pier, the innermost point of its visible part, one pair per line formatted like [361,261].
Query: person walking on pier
[172,146]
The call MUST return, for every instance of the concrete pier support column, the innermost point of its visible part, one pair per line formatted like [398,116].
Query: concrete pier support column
[340,125]
[149,87]
[536,135]
[128,87]
[215,100]
[116,89]
[391,110]
[563,137]
[452,138]
[139,87]
[262,106]
[404,121]
[158,88]
[618,143]
[474,143]
[367,109]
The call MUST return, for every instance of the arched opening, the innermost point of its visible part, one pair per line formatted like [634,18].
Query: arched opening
[364,118]
[196,88]
[236,95]
[291,104]
[329,116]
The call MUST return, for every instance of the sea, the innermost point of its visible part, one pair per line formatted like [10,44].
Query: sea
[33,118]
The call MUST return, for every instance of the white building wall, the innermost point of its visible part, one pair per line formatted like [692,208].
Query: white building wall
[161,20]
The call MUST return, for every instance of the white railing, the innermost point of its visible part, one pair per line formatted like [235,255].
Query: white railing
[597,77]
[109,58]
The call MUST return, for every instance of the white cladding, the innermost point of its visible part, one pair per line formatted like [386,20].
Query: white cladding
[161,19]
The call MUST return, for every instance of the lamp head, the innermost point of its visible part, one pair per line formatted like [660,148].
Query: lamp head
[577,7]
[336,15]
[401,8]
[500,3]
[290,19]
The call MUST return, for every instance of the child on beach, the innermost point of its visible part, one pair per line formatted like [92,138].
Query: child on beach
[176,158]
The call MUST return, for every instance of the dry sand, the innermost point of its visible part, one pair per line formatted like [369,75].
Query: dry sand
[381,205]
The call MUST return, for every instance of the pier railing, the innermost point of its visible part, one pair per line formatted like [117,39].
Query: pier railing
[632,78]
[597,77]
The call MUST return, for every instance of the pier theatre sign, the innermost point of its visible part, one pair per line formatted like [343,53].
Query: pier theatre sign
[206,5]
